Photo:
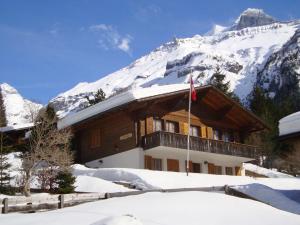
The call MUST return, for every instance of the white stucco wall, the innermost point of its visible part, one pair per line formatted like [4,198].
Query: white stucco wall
[135,159]
[165,153]
[129,159]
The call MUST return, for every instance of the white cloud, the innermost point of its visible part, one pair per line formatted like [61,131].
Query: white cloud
[147,13]
[110,38]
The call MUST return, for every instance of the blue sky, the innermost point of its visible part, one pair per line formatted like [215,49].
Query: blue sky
[47,47]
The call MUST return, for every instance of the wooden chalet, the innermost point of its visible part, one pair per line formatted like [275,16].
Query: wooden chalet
[289,135]
[147,128]
[15,135]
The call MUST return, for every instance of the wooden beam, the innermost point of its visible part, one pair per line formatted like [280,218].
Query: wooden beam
[202,95]
[221,113]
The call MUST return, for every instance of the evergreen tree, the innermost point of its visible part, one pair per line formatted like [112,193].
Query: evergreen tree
[3,121]
[4,166]
[65,181]
[97,97]
[218,80]
[270,111]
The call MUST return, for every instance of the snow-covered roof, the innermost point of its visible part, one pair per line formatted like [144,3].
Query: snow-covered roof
[16,127]
[118,100]
[264,171]
[289,124]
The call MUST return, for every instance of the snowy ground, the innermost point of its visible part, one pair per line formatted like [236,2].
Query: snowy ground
[148,179]
[171,208]
[82,184]
[164,209]
[270,196]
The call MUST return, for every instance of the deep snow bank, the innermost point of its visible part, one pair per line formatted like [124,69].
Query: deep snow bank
[148,179]
[183,208]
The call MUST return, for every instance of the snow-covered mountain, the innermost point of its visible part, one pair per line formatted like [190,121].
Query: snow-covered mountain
[18,110]
[282,69]
[241,51]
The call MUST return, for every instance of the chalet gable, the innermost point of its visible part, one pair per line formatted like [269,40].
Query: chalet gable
[211,105]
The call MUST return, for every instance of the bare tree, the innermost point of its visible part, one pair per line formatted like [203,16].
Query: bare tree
[33,110]
[49,150]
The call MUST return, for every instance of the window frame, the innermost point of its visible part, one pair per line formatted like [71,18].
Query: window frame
[227,169]
[192,128]
[176,126]
[155,121]
[154,164]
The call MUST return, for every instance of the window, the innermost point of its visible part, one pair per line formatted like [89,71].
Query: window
[171,127]
[231,136]
[156,164]
[95,138]
[229,171]
[157,125]
[226,136]
[217,134]
[196,168]
[194,131]
[218,169]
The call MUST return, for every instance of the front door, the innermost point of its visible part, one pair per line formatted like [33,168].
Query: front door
[173,165]
[148,162]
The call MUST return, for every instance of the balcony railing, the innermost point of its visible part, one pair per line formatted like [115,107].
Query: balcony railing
[162,138]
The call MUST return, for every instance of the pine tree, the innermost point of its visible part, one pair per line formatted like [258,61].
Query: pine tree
[270,111]
[99,96]
[65,181]
[4,166]
[218,80]
[3,121]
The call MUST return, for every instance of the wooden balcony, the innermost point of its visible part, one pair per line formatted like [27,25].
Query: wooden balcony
[162,138]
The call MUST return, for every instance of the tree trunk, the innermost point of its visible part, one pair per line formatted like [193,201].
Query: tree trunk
[26,189]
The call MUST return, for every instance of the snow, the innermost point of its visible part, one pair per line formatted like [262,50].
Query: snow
[93,184]
[18,111]
[102,179]
[83,183]
[118,100]
[239,54]
[289,124]
[264,171]
[149,179]
[169,208]
[192,208]
[17,127]
[119,220]
[269,196]
[216,30]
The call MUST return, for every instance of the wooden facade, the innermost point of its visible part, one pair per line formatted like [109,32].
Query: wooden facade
[15,139]
[214,117]
[290,161]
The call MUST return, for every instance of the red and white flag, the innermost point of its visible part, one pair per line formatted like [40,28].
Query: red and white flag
[193,91]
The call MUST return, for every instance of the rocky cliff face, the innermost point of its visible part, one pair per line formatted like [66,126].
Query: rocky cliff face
[282,69]
[253,18]
[241,51]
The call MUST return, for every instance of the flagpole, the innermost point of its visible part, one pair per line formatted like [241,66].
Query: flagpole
[189,124]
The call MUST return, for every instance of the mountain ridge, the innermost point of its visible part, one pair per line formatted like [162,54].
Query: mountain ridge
[240,53]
